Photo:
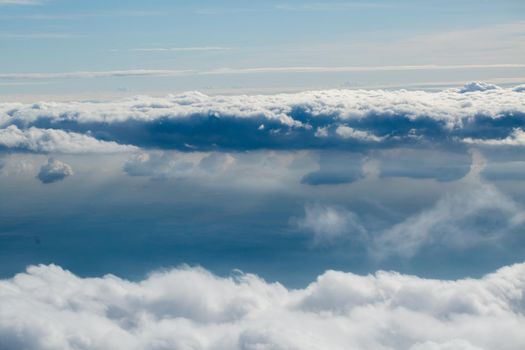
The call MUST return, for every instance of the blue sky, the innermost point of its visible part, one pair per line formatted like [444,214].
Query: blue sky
[194,40]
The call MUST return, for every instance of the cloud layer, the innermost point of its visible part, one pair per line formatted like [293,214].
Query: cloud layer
[189,308]
[333,119]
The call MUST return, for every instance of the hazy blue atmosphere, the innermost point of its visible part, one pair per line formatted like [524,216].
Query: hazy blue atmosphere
[262,175]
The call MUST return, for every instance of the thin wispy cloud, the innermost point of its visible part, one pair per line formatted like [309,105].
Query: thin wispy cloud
[330,6]
[97,74]
[225,11]
[21,2]
[181,49]
[255,70]
[38,36]
[81,15]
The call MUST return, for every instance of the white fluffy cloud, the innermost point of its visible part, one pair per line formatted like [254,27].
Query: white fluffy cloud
[188,308]
[516,138]
[447,105]
[53,171]
[348,132]
[56,141]
[478,86]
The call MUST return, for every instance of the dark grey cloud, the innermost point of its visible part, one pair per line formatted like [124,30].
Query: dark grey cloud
[424,164]
[54,171]
[508,170]
[336,168]
[3,161]
[339,167]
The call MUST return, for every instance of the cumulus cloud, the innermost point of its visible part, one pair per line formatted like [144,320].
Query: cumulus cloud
[348,132]
[476,86]
[47,307]
[329,224]
[332,119]
[54,171]
[55,141]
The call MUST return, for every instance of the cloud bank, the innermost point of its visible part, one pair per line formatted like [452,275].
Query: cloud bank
[47,307]
[358,120]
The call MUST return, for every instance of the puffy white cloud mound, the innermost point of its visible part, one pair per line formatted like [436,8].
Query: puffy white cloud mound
[189,308]
[54,171]
[55,141]
[478,86]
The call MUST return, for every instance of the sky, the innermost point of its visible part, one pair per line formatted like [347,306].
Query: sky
[262,175]
[70,49]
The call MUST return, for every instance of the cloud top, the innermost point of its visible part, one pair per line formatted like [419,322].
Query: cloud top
[47,307]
